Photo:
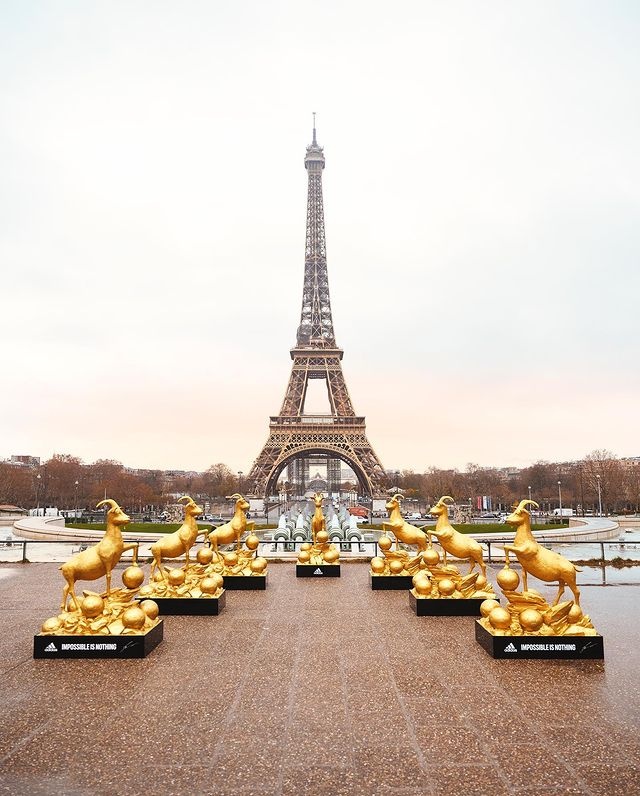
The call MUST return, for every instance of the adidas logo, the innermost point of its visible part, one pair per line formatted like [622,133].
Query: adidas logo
[317,571]
[51,648]
[510,647]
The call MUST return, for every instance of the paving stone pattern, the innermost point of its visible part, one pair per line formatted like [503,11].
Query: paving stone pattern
[316,687]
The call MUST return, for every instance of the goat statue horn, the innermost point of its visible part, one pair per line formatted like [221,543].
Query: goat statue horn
[444,498]
[235,496]
[524,503]
[187,498]
[398,497]
[112,503]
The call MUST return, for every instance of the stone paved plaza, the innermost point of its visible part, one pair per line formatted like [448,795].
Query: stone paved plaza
[316,687]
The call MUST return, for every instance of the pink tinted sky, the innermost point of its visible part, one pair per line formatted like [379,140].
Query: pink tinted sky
[481,197]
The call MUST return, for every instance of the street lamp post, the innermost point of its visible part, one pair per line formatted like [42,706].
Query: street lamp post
[560,497]
[599,496]
[529,488]
[76,506]
[38,482]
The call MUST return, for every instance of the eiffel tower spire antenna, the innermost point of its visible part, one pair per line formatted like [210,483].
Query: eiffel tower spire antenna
[293,433]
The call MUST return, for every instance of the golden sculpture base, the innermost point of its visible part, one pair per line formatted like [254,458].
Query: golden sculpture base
[317,570]
[547,647]
[245,582]
[191,606]
[390,582]
[442,606]
[137,645]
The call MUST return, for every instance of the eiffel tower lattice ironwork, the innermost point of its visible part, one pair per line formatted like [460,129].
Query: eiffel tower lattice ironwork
[341,434]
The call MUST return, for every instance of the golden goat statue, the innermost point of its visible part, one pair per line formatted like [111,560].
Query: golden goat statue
[181,541]
[451,541]
[100,559]
[536,560]
[225,534]
[318,522]
[402,530]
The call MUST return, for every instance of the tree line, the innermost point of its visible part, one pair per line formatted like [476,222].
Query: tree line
[67,483]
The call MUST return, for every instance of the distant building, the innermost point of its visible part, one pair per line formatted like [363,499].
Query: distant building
[25,461]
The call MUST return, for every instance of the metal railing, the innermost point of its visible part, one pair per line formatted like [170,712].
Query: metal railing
[368,548]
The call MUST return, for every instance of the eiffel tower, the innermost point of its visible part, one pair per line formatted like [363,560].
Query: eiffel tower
[294,435]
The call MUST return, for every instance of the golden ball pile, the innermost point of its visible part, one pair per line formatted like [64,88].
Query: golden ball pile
[176,577]
[133,577]
[446,587]
[258,564]
[422,584]
[92,605]
[252,541]
[530,619]
[486,606]
[431,557]
[134,618]
[209,586]
[508,579]
[500,618]
[205,556]
[377,565]
[150,608]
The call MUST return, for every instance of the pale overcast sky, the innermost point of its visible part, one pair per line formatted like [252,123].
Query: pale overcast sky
[482,196]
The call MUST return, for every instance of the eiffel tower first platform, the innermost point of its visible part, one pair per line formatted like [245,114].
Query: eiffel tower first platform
[341,434]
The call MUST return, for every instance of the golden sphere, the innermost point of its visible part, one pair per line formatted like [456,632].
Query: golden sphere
[133,577]
[51,625]
[322,537]
[306,546]
[486,606]
[209,586]
[481,582]
[530,619]
[395,566]
[134,617]
[500,618]
[422,585]
[508,579]
[258,564]
[304,556]
[431,557]
[575,614]
[446,587]
[150,608]
[230,559]
[176,577]
[217,579]
[92,605]
[204,556]
[384,543]
[377,565]
[331,556]
[252,541]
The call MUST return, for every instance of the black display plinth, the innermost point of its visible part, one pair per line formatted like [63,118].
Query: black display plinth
[317,570]
[391,582]
[548,647]
[441,606]
[190,606]
[97,646]
[245,582]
